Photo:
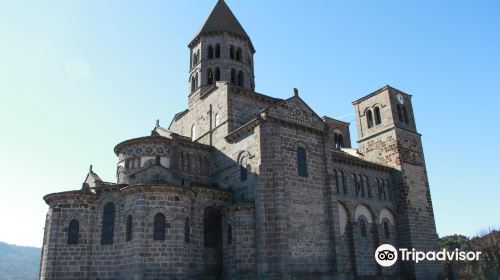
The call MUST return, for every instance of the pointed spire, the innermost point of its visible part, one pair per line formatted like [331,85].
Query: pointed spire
[222,19]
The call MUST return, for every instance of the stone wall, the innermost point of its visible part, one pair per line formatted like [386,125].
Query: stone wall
[142,257]
[399,146]
[239,242]
[59,260]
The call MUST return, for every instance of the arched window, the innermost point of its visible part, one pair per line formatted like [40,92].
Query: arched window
[337,187]
[217,51]
[390,191]
[108,224]
[210,227]
[362,183]
[383,190]
[344,183]
[210,76]
[378,119]
[400,113]
[362,227]
[229,234]
[193,83]
[233,76]
[301,162]
[368,187]
[187,230]
[339,140]
[159,227]
[231,52]
[238,54]
[216,120]
[217,74]
[128,228]
[193,132]
[241,79]
[243,173]
[357,185]
[387,233]
[243,168]
[405,115]
[379,189]
[195,59]
[369,119]
[210,52]
[73,231]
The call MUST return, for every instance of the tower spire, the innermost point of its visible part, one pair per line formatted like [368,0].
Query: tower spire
[222,19]
[221,51]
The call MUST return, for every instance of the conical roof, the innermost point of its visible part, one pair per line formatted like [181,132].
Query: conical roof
[222,19]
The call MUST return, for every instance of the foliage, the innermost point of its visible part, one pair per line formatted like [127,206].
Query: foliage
[488,266]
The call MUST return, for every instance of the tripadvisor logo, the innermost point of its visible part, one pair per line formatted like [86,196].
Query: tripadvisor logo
[386,255]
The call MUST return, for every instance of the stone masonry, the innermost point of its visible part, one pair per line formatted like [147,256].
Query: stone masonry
[242,185]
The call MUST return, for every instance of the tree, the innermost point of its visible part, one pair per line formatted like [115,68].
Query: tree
[488,266]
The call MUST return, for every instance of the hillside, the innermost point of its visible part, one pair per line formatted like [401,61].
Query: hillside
[18,262]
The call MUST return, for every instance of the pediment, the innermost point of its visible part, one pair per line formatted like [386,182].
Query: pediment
[295,110]
[154,174]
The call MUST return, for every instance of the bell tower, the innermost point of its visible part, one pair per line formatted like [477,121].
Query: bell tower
[388,135]
[221,51]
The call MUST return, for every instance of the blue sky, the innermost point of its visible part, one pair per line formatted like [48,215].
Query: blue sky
[77,77]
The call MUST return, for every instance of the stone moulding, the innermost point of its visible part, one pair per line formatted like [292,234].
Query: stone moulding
[82,196]
[238,208]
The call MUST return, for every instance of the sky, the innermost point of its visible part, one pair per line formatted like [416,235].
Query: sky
[78,77]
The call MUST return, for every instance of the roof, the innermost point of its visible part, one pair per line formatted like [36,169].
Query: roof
[149,139]
[222,19]
[354,156]
[386,87]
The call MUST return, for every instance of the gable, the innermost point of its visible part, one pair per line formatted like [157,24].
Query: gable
[295,110]
[92,180]
[154,174]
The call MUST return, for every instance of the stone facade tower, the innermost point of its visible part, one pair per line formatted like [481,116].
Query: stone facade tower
[221,51]
[242,185]
[388,135]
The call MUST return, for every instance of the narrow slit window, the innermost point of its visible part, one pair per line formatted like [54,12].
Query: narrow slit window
[108,224]
[210,52]
[159,224]
[378,119]
[369,119]
[73,231]
[387,233]
[217,51]
[362,227]
[301,162]
[128,230]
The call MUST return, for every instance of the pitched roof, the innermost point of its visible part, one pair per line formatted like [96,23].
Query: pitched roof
[222,19]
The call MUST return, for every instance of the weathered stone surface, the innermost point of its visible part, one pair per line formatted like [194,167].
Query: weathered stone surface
[225,175]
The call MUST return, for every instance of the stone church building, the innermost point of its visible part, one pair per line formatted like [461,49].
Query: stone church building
[242,185]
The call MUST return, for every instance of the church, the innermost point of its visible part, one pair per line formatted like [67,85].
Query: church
[242,185]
